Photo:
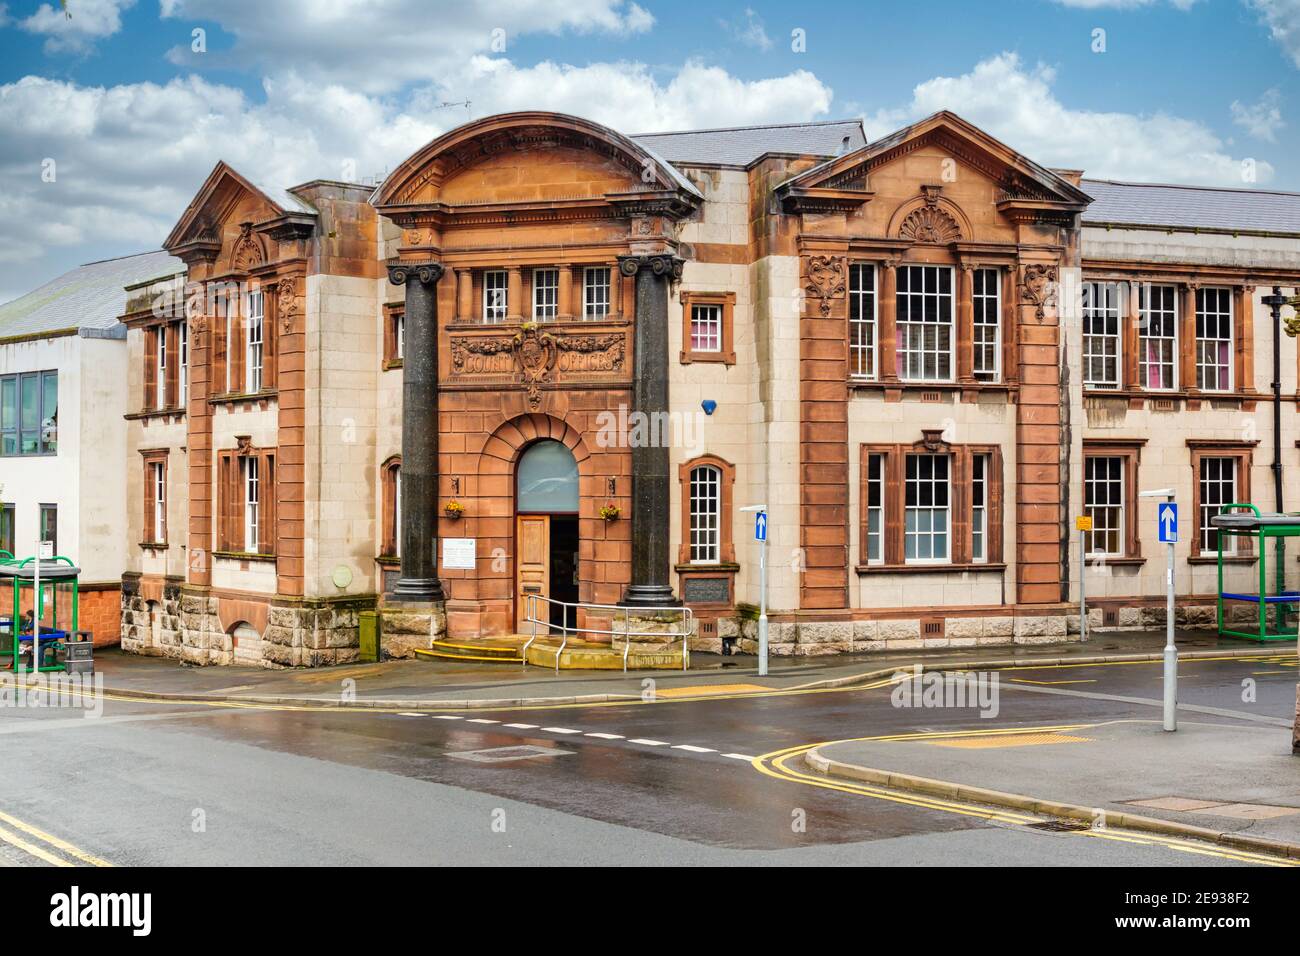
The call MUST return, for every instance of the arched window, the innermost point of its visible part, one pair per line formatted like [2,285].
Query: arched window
[390,478]
[547,478]
[706,511]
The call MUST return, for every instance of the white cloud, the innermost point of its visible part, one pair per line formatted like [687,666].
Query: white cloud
[75,28]
[1017,106]
[384,45]
[1282,17]
[1261,120]
[749,31]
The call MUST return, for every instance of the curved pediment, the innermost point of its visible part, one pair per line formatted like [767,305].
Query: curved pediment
[530,157]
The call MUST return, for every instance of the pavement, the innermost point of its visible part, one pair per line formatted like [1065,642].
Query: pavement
[1233,784]
[419,684]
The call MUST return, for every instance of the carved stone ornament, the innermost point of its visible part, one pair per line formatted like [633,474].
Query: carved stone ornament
[660,265]
[825,280]
[592,353]
[1038,287]
[535,352]
[932,440]
[286,301]
[931,224]
[247,251]
[475,356]
[426,272]
[244,445]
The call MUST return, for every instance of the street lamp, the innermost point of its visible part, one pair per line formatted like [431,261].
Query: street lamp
[1171,653]
[760,532]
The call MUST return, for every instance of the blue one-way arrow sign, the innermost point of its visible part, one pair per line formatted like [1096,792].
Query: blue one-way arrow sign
[760,526]
[1167,522]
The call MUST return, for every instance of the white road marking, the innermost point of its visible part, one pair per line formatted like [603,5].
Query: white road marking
[606,736]
[523,726]
[560,730]
[446,717]
[745,757]
[693,749]
[649,743]
[482,720]
[409,714]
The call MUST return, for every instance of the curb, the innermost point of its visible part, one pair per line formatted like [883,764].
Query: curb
[821,764]
[422,704]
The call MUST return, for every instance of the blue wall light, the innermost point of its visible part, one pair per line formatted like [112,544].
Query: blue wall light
[708,405]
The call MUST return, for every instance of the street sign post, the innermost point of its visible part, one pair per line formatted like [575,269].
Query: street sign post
[760,535]
[1167,532]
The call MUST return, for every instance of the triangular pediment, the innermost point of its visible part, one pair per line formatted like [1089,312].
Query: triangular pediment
[224,196]
[1021,182]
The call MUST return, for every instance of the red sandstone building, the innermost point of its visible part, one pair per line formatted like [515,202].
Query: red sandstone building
[925,354]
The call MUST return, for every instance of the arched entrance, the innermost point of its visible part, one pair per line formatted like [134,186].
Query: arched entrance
[546,529]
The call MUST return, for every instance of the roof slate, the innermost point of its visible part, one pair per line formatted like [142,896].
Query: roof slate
[88,298]
[1191,207]
[740,146]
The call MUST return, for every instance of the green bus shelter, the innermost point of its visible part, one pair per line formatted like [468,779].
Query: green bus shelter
[1273,602]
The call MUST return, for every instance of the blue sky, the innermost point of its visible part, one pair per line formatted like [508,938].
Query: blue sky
[1185,90]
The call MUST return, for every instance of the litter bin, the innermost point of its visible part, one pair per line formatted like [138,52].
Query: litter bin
[80,654]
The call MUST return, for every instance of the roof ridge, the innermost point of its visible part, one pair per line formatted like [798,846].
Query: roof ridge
[735,129]
[129,255]
[1208,189]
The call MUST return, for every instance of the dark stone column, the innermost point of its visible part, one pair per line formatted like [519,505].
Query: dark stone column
[419,580]
[651,553]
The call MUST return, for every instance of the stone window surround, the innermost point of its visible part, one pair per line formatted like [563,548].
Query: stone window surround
[394,312]
[230,502]
[726,538]
[519,269]
[388,501]
[229,343]
[1186,282]
[1130,450]
[170,383]
[959,502]
[886,256]
[151,457]
[1243,451]
[726,353]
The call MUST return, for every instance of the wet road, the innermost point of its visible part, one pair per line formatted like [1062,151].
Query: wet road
[668,782]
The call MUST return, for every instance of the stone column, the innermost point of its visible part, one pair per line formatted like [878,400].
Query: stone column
[888,321]
[419,579]
[465,296]
[651,491]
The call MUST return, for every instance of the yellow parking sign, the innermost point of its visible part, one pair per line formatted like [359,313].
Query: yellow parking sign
[1083,523]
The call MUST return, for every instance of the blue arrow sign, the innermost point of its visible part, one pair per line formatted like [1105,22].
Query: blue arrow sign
[1167,522]
[760,526]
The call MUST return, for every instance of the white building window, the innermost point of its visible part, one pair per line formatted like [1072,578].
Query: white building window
[1101,334]
[253,347]
[925,323]
[986,293]
[399,335]
[595,293]
[862,321]
[1218,480]
[979,501]
[1214,340]
[706,328]
[161,389]
[706,506]
[1158,337]
[252,500]
[1103,502]
[183,338]
[926,504]
[875,509]
[546,294]
[495,302]
[158,475]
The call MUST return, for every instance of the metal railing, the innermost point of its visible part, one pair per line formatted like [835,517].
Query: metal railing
[531,616]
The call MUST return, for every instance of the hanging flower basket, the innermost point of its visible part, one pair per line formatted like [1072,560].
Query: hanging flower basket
[454,508]
[611,512]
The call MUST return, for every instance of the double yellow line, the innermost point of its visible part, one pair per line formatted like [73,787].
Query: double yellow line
[777,765]
[44,846]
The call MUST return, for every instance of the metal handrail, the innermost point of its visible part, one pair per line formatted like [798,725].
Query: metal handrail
[531,616]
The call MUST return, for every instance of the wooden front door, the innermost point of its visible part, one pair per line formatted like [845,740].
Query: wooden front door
[533,547]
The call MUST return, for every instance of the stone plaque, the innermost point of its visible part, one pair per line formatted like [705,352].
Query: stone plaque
[706,590]
[458,554]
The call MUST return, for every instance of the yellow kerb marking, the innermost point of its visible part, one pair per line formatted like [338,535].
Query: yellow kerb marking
[1009,740]
[703,690]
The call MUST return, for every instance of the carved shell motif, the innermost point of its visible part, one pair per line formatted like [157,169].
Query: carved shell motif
[929,224]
